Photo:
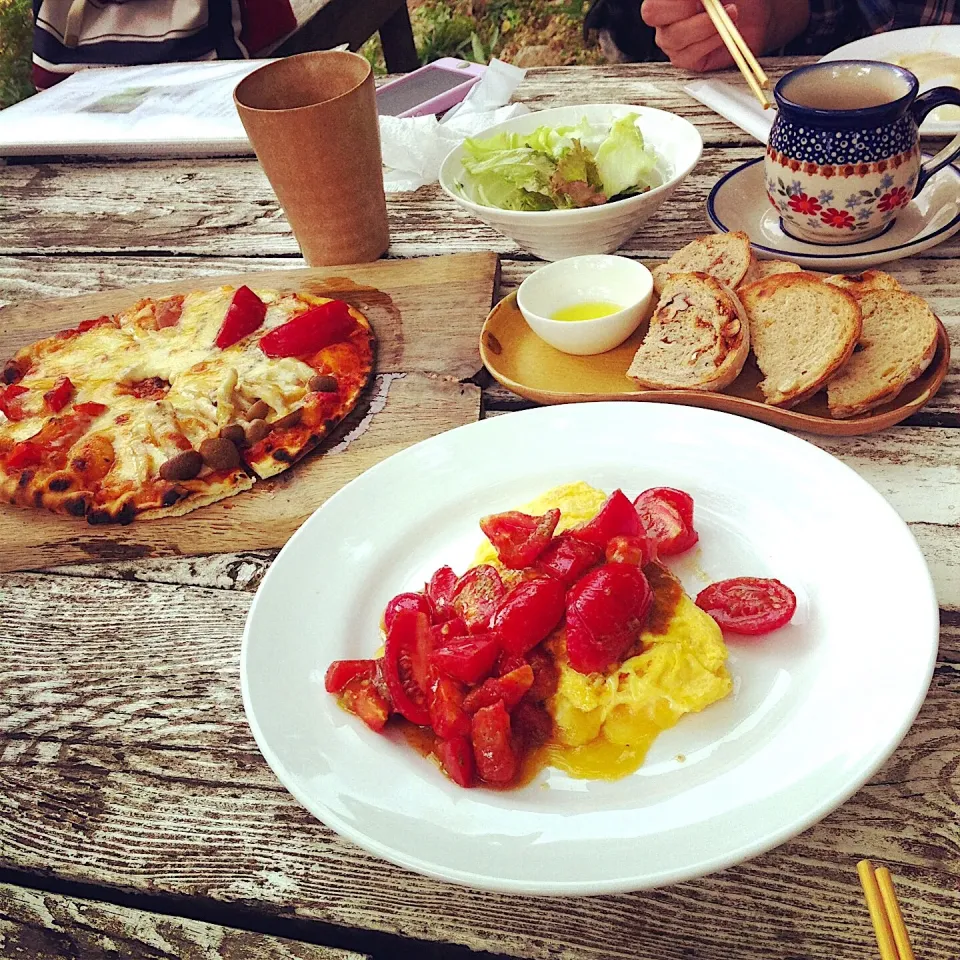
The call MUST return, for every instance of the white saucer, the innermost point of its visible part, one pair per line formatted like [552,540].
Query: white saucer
[739,201]
[902,47]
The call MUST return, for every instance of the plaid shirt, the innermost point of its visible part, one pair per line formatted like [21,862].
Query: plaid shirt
[836,22]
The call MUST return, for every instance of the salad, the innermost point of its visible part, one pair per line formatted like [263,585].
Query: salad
[559,168]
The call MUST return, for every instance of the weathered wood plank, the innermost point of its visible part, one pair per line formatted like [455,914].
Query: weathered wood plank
[126,761]
[35,925]
[225,207]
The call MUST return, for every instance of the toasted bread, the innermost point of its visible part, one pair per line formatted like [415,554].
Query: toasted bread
[726,256]
[859,283]
[698,337]
[802,332]
[898,341]
[767,268]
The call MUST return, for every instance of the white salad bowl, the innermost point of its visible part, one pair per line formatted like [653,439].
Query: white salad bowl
[591,278]
[556,234]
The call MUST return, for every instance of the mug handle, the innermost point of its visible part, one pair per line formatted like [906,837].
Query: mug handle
[926,102]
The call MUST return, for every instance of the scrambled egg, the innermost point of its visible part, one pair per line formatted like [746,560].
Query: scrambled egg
[604,724]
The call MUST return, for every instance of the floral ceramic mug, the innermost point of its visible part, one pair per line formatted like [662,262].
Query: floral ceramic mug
[843,158]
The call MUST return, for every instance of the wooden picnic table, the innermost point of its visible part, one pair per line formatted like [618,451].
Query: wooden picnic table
[137,817]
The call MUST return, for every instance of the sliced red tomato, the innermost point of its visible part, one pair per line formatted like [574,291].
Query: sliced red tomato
[545,675]
[447,716]
[567,559]
[57,398]
[605,614]
[310,331]
[492,749]
[244,315]
[456,755]
[510,689]
[509,662]
[416,602]
[440,593]
[477,595]
[361,697]
[532,724]
[10,404]
[406,665]
[528,613]
[25,454]
[749,605]
[341,672]
[103,321]
[667,517]
[616,518]
[90,409]
[638,550]
[465,658]
[519,538]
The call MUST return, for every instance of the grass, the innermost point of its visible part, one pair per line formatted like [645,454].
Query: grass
[16,40]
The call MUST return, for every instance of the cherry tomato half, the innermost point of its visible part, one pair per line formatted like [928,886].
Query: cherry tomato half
[567,559]
[605,614]
[616,518]
[476,596]
[341,672]
[456,755]
[667,517]
[492,749]
[416,602]
[519,538]
[748,605]
[508,689]
[57,398]
[361,697]
[406,665]
[528,613]
[638,550]
[447,716]
[440,593]
[465,658]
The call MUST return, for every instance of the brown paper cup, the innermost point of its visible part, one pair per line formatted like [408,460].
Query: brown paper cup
[312,120]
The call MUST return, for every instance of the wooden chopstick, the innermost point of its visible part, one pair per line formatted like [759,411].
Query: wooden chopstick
[884,912]
[897,926]
[741,53]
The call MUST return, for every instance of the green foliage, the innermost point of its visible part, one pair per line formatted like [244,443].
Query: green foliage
[16,45]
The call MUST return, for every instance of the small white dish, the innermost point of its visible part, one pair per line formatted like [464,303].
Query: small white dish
[903,48]
[590,279]
[556,234]
[739,201]
[818,707]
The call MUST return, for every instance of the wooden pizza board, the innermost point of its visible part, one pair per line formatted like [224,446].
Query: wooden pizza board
[427,314]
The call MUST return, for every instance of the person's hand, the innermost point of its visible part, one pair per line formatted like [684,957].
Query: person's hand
[686,34]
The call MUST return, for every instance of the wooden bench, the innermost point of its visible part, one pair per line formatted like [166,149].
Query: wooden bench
[354,22]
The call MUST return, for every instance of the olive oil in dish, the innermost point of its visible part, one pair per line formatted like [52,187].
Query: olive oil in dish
[591,310]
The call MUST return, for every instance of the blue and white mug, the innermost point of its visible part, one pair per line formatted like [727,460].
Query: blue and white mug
[843,158]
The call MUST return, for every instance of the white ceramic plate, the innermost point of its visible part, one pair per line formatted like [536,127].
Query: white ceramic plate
[817,707]
[906,45]
[738,201]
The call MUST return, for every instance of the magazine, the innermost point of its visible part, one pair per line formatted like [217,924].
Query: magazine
[171,110]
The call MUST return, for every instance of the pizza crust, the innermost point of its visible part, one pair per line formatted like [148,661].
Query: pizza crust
[205,390]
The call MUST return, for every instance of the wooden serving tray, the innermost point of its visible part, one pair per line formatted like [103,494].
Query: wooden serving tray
[425,313]
[531,368]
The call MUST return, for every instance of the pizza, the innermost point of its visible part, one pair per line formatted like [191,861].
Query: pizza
[177,402]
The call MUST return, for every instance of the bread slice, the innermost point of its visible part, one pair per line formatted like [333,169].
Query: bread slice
[726,256]
[859,283]
[767,268]
[698,337]
[802,332]
[898,341]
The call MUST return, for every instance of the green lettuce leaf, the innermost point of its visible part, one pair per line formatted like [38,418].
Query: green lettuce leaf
[625,164]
